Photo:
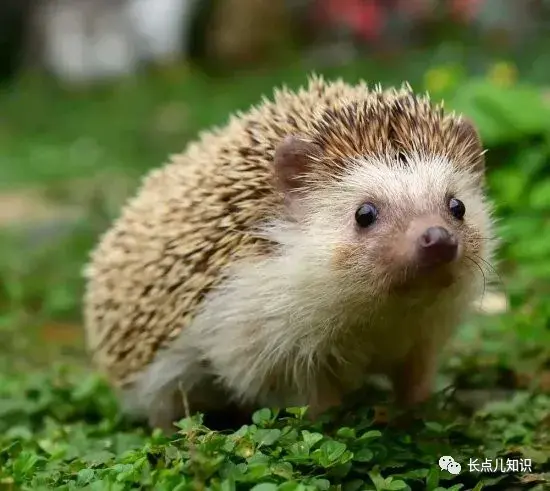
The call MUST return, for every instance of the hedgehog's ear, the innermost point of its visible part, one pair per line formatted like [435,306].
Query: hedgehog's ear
[292,159]
[469,137]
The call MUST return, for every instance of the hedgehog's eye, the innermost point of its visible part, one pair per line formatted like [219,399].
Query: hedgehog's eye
[457,208]
[366,215]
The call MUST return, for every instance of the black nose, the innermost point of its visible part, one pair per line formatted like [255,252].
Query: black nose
[437,245]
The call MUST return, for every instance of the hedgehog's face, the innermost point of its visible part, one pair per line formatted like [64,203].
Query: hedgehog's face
[388,224]
[397,225]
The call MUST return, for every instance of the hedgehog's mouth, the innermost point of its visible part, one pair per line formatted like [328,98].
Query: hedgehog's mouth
[420,274]
[416,277]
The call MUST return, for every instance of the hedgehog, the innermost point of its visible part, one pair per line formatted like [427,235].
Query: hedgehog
[324,235]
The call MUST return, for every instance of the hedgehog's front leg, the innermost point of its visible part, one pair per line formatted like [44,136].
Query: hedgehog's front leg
[413,378]
[327,398]
[165,411]
[176,382]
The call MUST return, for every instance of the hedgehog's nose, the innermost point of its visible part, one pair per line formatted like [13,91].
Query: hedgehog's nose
[437,245]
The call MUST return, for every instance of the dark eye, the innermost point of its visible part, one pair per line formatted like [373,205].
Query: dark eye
[366,215]
[457,208]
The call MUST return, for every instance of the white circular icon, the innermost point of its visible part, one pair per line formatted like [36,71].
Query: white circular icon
[450,465]
[454,468]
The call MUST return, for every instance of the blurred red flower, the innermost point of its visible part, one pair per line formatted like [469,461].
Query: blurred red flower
[364,17]
[465,10]
[367,18]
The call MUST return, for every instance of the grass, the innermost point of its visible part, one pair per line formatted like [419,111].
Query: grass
[72,158]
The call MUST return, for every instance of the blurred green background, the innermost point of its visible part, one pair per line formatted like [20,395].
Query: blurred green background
[76,138]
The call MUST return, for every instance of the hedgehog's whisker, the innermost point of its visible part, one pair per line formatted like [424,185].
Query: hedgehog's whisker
[493,270]
[482,274]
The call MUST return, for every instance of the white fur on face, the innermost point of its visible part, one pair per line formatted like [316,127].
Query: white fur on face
[402,193]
